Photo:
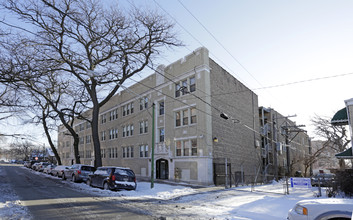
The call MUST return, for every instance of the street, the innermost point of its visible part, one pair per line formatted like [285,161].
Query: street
[49,198]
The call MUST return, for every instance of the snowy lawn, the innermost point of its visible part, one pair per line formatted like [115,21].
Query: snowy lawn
[266,202]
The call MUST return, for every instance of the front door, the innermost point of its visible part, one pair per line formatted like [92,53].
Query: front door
[162,170]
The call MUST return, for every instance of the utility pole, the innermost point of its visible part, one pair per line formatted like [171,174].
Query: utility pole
[152,153]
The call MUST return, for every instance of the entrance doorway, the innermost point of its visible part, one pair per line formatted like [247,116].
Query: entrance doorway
[162,169]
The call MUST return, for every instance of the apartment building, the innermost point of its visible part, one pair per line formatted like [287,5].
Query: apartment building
[284,145]
[191,140]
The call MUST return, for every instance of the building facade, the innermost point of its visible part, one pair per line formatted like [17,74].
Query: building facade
[185,100]
[284,145]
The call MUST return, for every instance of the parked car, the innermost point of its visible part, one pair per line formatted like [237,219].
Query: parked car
[113,178]
[59,170]
[78,172]
[41,166]
[48,169]
[29,163]
[319,209]
[34,166]
[324,179]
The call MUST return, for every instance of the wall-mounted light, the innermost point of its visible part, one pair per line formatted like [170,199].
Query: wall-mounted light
[215,139]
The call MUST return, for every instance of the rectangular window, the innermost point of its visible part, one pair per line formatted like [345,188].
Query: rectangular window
[103,153]
[194,147]
[82,140]
[146,102]
[103,118]
[124,131]
[186,145]
[109,153]
[161,108]
[132,107]
[103,135]
[124,110]
[178,148]
[185,117]
[146,126]
[128,109]
[184,85]
[132,130]
[132,151]
[177,119]
[141,127]
[88,139]
[161,135]
[124,152]
[192,84]
[142,149]
[141,104]
[115,133]
[146,150]
[193,116]
[177,90]
[128,131]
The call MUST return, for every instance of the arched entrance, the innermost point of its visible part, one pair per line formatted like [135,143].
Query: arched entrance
[162,169]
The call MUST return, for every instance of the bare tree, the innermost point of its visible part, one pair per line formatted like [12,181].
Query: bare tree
[94,47]
[337,136]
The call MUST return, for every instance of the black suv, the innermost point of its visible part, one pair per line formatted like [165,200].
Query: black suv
[113,178]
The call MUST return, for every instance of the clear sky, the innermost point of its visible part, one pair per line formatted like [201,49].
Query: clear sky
[269,43]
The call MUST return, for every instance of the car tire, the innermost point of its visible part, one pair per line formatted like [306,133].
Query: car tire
[106,186]
[63,177]
[74,179]
[88,182]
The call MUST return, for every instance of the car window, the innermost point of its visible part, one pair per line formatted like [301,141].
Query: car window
[124,172]
[87,168]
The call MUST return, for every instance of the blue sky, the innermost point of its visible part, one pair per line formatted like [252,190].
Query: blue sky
[278,42]
[267,43]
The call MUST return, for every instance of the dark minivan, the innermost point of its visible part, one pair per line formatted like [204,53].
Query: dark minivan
[113,178]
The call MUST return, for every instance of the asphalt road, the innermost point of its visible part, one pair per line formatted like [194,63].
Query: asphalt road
[48,198]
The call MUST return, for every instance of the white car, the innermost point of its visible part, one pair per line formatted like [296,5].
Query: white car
[322,209]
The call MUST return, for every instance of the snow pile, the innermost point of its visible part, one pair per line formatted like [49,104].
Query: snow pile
[10,205]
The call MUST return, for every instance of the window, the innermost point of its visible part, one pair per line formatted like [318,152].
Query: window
[88,125]
[88,139]
[141,104]
[124,152]
[115,133]
[184,85]
[132,130]
[127,151]
[103,118]
[131,151]
[146,150]
[178,148]
[109,152]
[82,140]
[82,127]
[192,84]
[186,145]
[185,117]
[132,107]
[146,102]
[193,115]
[177,119]
[124,131]
[113,115]
[128,109]
[128,131]
[88,154]
[141,127]
[116,152]
[194,147]
[177,90]
[124,110]
[103,153]
[146,126]
[161,134]
[103,135]
[161,108]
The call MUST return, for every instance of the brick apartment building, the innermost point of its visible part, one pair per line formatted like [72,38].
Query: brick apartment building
[192,141]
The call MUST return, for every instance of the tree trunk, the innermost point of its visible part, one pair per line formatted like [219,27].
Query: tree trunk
[94,127]
[50,140]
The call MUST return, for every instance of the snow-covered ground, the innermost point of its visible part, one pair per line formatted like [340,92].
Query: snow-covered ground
[266,202]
